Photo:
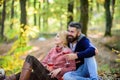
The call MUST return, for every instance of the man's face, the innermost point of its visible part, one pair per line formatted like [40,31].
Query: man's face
[73,34]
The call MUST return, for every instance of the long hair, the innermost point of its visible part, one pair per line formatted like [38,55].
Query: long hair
[63,37]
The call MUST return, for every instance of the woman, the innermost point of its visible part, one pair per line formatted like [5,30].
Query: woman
[35,70]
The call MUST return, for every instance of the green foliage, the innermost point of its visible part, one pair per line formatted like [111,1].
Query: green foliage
[104,68]
[101,1]
[12,62]
[117,10]
[1,2]
[118,54]
[20,45]
[11,34]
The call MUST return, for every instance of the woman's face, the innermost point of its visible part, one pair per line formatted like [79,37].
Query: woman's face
[58,41]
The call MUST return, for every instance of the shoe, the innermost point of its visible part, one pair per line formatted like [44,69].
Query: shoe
[2,74]
[26,71]
[12,77]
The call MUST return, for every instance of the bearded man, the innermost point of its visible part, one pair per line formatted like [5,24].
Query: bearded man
[83,53]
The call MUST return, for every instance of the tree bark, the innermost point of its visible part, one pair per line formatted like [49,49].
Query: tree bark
[113,8]
[109,17]
[70,11]
[84,15]
[39,19]
[23,16]
[12,14]
[45,15]
[23,22]
[98,6]
[35,22]
[3,19]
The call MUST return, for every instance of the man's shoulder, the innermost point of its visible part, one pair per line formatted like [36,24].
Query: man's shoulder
[83,38]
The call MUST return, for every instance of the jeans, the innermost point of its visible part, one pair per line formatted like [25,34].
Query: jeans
[87,71]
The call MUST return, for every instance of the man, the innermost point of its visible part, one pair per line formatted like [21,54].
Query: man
[83,53]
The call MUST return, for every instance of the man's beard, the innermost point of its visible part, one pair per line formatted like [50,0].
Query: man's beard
[71,39]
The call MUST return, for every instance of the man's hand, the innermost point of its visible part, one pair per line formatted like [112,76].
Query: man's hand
[96,51]
[72,56]
[55,72]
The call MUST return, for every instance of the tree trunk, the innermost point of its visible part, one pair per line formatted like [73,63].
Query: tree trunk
[12,14]
[45,15]
[91,9]
[109,17]
[70,11]
[98,6]
[35,22]
[113,6]
[23,19]
[39,19]
[84,15]
[3,19]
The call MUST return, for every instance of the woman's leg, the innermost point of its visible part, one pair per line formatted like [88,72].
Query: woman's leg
[26,71]
[12,77]
[39,70]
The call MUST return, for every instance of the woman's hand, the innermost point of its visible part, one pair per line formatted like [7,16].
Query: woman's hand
[55,72]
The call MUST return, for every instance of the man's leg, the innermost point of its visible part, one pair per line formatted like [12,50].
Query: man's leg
[92,68]
[88,71]
[79,74]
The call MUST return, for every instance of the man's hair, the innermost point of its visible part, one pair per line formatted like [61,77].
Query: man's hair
[75,24]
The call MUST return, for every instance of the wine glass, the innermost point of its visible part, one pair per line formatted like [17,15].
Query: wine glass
[50,64]
[65,51]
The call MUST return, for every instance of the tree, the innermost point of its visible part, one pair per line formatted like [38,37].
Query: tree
[70,11]
[23,16]
[3,19]
[39,16]
[109,16]
[35,22]
[1,2]
[45,14]
[84,15]
[12,14]
[23,22]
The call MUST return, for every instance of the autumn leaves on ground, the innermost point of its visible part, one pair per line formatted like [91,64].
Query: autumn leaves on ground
[108,68]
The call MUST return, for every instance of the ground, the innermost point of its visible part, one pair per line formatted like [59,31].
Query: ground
[105,57]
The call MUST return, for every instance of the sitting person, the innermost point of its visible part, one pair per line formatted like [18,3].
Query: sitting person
[83,54]
[35,70]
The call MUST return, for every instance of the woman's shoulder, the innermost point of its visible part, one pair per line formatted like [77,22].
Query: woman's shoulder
[68,49]
[52,49]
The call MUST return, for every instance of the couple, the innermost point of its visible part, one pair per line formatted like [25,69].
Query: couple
[76,63]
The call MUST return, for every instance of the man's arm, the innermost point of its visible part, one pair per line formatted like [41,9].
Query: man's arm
[89,48]
[89,51]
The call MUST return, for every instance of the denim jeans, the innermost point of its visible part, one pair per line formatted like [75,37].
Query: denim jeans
[87,71]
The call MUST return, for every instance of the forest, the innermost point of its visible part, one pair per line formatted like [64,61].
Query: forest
[29,26]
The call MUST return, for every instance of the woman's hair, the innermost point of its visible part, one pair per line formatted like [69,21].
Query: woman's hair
[63,37]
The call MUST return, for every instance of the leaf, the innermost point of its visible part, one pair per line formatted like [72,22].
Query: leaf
[117,60]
